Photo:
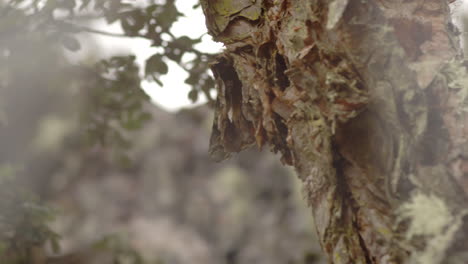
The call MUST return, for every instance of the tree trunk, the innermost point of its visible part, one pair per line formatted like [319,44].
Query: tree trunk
[366,99]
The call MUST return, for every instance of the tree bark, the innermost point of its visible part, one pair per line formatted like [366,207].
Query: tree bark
[367,100]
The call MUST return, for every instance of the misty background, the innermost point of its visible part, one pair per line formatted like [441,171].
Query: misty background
[111,167]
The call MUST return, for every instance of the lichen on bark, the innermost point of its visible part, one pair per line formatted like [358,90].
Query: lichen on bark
[363,99]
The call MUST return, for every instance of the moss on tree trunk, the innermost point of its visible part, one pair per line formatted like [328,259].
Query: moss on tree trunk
[366,99]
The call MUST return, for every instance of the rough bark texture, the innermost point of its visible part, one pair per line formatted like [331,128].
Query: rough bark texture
[366,99]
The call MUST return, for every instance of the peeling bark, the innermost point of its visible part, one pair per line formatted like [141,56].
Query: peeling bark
[366,99]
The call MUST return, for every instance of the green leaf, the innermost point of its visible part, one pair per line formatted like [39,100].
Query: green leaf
[173,51]
[132,22]
[168,16]
[185,42]
[155,64]
[155,67]
[193,95]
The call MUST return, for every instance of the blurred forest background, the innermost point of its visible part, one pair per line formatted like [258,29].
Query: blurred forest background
[91,171]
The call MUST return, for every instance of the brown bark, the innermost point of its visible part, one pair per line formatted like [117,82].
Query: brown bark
[366,100]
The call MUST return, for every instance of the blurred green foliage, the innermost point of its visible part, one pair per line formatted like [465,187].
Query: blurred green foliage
[109,91]
[60,20]
[114,105]
[114,99]
[23,221]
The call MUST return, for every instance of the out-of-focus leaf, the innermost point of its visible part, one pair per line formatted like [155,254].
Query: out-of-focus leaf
[132,22]
[112,9]
[168,16]
[208,84]
[186,43]
[193,79]
[155,67]
[155,64]
[174,52]
[145,116]
[193,95]
[116,104]
[71,43]
[54,243]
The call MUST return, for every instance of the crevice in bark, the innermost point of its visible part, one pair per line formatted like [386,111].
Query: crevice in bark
[363,246]
[350,208]
[282,80]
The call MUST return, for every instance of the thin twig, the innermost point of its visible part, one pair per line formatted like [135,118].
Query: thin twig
[96,31]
